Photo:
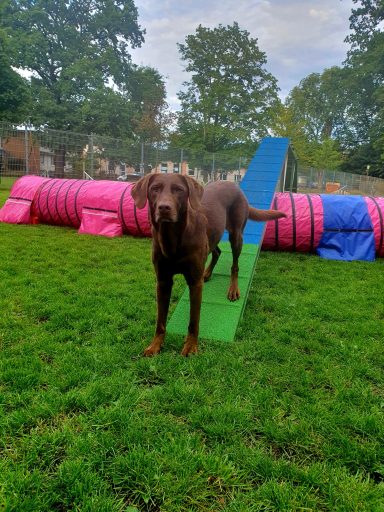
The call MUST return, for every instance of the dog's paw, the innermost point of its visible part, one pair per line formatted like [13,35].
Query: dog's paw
[207,276]
[152,350]
[189,351]
[233,294]
[190,347]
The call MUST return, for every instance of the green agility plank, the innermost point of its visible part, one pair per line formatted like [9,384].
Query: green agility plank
[219,316]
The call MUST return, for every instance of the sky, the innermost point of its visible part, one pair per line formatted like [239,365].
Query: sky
[299,37]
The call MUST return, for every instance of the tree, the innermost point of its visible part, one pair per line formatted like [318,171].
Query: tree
[14,90]
[148,94]
[365,23]
[82,75]
[326,155]
[362,159]
[133,112]
[366,65]
[285,124]
[320,103]
[228,100]
[73,48]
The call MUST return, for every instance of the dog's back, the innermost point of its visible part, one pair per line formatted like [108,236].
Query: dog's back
[225,207]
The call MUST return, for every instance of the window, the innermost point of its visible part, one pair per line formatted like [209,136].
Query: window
[191,172]
[176,168]
[224,176]
[237,177]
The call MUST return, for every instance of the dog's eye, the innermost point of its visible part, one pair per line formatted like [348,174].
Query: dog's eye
[155,188]
[176,188]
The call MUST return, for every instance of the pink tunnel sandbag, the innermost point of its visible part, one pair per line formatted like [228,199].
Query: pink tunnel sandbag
[94,207]
[375,207]
[17,209]
[302,229]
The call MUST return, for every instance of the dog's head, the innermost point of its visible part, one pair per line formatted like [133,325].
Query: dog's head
[168,195]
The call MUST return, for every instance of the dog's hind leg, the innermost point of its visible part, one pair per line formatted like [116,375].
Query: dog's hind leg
[236,240]
[215,256]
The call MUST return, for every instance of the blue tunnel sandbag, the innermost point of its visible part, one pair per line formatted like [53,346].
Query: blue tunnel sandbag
[348,233]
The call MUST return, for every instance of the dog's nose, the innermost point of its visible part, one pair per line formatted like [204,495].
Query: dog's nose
[164,208]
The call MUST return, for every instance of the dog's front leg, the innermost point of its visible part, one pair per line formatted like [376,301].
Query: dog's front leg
[164,289]
[191,340]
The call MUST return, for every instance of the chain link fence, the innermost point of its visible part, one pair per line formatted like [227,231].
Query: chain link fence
[62,154]
[315,181]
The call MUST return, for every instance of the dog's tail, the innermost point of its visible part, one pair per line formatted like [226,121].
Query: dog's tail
[263,215]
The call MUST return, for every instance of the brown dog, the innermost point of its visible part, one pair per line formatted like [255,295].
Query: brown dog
[188,222]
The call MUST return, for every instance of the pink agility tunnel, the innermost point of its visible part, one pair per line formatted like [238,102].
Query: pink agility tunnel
[107,208]
[303,228]
[93,207]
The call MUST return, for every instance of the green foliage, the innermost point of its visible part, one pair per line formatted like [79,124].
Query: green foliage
[347,104]
[319,104]
[326,155]
[75,50]
[365,23]
[15,99]
[106,111]
[228,100]
[288,417]
[366,65]
[63,40]
[151,120]
[286,124]
[364,159]
[322,154]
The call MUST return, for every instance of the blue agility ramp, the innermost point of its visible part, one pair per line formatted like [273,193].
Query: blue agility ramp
[220,317]
[260,181]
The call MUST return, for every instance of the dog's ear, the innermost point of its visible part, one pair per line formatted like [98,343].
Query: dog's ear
[195,192]
[140,191]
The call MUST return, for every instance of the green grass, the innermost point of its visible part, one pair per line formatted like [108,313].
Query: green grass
[288,417]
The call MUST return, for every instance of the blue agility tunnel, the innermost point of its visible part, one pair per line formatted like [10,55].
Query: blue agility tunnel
[345,228]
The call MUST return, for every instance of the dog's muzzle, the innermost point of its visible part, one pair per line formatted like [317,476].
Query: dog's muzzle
[165,213]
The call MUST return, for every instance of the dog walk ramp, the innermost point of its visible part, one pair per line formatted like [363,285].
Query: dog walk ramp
[219,317]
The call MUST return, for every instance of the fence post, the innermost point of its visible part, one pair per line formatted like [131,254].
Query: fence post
[293,175]
[91,154]
[142,159]
[26,149]
[285,172]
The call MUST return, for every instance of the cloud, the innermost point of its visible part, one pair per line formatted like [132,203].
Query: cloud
[298,36]
[321,14]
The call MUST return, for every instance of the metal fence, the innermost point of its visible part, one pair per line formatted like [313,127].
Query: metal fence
[62,154]
[334,182]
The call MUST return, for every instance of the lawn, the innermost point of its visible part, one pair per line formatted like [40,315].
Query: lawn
[289,417]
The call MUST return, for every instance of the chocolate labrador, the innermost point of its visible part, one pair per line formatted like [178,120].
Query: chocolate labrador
[188,222]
